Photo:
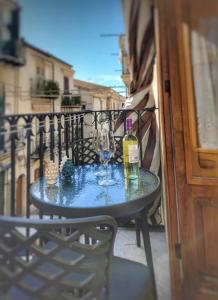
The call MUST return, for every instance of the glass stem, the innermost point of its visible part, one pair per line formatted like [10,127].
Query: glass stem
[106,169]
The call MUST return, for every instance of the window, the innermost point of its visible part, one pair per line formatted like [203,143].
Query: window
[38,84]
[37,70]
[40,71]
[200,51]
[204,46]
[66,85]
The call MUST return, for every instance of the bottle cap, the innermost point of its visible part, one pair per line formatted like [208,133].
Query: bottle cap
[128,124]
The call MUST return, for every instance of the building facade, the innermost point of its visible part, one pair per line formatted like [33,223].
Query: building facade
[97,97]
[38,85]
[125,63]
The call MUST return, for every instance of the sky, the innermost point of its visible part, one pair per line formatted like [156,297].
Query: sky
[71,29]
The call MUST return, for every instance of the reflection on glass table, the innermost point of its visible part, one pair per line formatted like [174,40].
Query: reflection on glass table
[83,190]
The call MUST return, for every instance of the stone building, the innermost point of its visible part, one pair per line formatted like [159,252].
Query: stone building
[97,97]
[38,85]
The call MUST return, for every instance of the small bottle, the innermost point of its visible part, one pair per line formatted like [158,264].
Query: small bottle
[130,153]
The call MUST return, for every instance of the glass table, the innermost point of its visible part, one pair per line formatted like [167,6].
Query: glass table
[83,197]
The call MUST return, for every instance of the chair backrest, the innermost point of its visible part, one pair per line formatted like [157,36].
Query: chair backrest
[83,152]
[49,259]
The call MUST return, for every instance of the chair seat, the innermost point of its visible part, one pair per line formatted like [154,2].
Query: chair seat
[130,281]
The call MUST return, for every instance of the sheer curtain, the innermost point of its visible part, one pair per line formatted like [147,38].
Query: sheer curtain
[204,43]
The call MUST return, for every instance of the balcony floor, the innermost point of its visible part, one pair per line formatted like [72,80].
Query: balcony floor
[125,246]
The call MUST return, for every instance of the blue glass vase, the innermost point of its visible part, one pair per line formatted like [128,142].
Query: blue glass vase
[67,170]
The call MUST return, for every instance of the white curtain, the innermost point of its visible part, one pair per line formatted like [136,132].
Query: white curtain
[204,42]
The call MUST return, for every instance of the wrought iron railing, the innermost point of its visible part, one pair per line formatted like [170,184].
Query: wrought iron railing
[28,141]
[70,108]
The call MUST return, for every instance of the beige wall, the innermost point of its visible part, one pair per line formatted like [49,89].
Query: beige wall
[19,80]
[86,96]
[9,78]
[98,101]
[116,104]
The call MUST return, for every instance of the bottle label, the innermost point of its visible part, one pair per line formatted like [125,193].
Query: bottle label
[133,154]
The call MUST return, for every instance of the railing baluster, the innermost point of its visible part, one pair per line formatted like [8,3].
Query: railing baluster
[96,120]
[139,135]
[72,137]
[124,122]
[28,162]
[52,137]
[13,136]
[81,135]
[59,140]
[81,126]
[41,145]
[77,137]
[66,133]
[77,126]
[110,120]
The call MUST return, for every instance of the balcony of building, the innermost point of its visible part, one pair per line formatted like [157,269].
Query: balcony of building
[30,141]
[44,89]
[70,103]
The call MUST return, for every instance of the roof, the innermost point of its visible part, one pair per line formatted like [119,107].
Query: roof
[91,86]
[97,89]
[46,53]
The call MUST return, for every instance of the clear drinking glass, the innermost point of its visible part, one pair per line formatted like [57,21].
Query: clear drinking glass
[106,150]
[95,146]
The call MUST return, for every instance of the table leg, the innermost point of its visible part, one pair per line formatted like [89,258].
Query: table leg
[147,246]
[137,227]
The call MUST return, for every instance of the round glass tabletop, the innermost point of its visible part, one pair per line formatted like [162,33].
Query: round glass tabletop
[83,191]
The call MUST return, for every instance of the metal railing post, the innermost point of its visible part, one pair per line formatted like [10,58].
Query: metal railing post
[13,136]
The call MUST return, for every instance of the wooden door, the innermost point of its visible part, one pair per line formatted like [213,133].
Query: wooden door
[188,62]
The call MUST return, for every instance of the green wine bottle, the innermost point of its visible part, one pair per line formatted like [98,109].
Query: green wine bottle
[130,153]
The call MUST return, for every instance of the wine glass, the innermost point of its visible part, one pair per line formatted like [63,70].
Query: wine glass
[106,150]
[95,147]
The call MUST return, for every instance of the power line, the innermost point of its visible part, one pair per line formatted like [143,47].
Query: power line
[112,34]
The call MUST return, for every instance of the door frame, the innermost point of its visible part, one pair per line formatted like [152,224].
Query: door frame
[171,138]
